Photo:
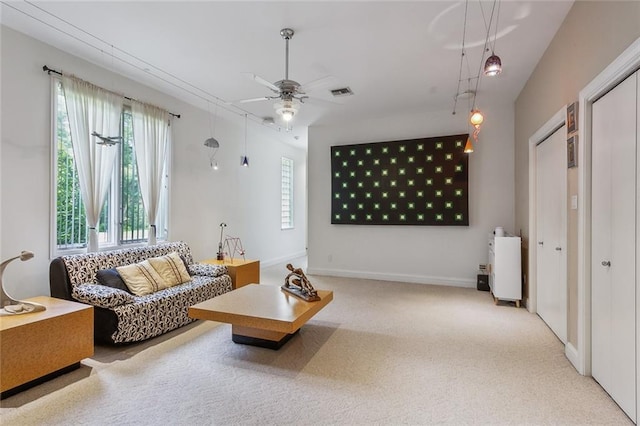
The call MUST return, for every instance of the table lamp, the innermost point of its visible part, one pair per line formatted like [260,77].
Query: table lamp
[9,305]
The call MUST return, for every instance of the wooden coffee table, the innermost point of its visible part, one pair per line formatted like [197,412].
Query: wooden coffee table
[260,315]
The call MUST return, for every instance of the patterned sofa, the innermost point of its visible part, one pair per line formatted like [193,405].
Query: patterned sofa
[121,317]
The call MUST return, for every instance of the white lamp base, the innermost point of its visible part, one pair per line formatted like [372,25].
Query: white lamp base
[21,308]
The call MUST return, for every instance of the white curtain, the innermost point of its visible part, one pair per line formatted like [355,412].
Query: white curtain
[92,109]
[151,140]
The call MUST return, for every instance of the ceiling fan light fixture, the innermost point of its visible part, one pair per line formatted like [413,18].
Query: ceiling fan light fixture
[287,114]
[493,66]
[286,109]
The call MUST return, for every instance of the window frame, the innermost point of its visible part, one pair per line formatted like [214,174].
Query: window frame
[115,201]
[284,211]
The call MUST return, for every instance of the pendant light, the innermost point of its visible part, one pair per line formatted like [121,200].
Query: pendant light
[212,142]
[468,147]
[244,160]
[493,66]
[476,118]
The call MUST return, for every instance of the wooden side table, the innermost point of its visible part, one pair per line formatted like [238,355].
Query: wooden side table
[41,345]
[242,272]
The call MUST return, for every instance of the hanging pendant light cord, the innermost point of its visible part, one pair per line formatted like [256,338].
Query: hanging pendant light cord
[484,49]
[462,54]
[495,35]
[245,135]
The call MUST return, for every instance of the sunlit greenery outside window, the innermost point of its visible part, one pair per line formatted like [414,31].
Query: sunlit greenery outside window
[123,219]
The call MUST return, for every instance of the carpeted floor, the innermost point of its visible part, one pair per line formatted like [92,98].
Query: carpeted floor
[380,353]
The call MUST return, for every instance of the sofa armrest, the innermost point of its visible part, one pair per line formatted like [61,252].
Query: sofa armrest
[207,270]
[102,296]
[59,284]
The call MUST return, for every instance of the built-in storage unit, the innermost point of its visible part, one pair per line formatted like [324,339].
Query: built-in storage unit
[505,272]
[615,242]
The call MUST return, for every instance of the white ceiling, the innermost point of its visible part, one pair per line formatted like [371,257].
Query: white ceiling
[394,55]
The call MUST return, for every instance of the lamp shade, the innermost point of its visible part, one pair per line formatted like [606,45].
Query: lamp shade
[468,148]
[493,66]
[212,143]
[476,118]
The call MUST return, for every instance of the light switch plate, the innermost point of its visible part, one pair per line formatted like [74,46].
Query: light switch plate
[574,202]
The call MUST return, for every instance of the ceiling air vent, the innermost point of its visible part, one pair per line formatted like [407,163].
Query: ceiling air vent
[345,91]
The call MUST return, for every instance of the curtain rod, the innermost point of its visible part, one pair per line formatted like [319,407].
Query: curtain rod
[50,70]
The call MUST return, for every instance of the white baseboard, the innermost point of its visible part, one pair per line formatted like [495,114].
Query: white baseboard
[282,259]
[417,279]
[572,355]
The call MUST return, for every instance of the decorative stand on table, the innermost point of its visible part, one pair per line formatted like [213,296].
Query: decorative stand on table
[234,247]
[9,305]
[220,251]
[298,284]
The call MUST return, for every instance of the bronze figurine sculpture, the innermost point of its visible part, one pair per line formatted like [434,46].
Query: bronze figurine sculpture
[298,284]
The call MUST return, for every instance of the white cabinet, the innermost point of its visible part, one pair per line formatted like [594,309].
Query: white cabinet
[504,261]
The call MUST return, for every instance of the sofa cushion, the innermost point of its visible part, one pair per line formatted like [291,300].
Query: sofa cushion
[141,278]
[102,296]
[111,278]
[171,268]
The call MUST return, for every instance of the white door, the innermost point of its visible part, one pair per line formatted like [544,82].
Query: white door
[613,244]
[551,210]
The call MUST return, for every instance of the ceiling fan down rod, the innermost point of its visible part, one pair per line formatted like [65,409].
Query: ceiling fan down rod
[286,34]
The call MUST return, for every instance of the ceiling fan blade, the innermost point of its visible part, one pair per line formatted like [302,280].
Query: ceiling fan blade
[244,101]
[317,84]
[262,81]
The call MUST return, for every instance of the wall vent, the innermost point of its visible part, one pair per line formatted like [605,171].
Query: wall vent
[345,91]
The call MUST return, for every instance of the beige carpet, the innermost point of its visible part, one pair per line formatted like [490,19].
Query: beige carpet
[380,353]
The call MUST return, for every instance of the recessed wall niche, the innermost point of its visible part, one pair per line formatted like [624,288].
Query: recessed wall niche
[408,182]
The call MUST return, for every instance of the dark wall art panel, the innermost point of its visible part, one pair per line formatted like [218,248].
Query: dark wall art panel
[410,182]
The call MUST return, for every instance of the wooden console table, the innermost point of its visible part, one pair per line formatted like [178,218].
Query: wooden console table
[40,345]
[242,272]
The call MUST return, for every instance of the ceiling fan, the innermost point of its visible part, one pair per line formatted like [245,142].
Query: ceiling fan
[106,140]
[290,93]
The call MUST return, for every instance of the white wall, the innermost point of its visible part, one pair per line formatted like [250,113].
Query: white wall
[422,254]
[248,200]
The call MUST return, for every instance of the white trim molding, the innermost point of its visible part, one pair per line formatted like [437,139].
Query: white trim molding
[405,278]
[283,259]
[623,66]
[547,129]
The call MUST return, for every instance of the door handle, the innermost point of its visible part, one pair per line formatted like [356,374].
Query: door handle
[558,248]
[540,243]
[606,263]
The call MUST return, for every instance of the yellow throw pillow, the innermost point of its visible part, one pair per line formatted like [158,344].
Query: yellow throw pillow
[171,268]
[141,278]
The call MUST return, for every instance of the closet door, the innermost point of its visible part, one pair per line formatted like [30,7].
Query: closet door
[551,210]
[613,245]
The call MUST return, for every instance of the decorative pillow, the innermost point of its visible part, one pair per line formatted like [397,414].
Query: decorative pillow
[99,295]
[207,269]
[141,278]
[186,264]
[171,268]
[111,278]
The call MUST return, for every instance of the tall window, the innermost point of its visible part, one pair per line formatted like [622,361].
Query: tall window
[287,193]
[122,219]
